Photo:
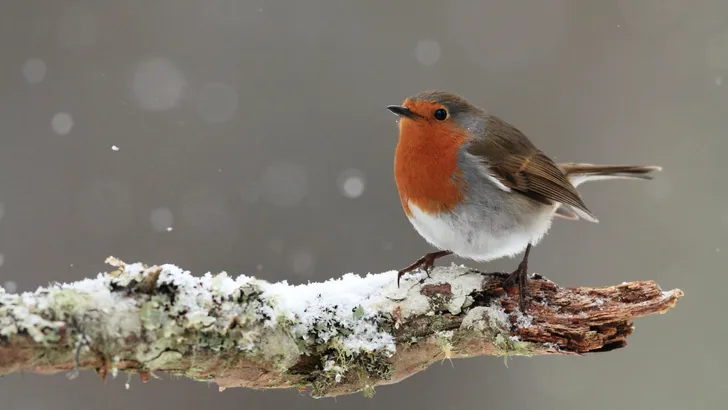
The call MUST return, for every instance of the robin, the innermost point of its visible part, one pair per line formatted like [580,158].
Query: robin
[473,185]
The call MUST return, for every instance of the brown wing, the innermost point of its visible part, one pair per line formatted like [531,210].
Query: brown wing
[523,168]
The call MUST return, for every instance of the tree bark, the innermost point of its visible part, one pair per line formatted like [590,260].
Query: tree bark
[331,338]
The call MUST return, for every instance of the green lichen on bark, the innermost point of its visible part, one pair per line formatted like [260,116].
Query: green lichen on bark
[125,316]
[331,338]
[337,366]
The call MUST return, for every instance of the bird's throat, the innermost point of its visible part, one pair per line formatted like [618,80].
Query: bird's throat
[426,169]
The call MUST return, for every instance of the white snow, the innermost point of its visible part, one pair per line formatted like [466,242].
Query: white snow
[321,307]
[333,303]
[344,311]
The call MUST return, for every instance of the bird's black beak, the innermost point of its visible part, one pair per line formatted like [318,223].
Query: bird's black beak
[402,111]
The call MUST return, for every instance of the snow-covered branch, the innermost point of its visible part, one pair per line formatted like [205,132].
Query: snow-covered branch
[337,337]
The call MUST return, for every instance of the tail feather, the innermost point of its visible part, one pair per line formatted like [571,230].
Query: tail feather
[578,173]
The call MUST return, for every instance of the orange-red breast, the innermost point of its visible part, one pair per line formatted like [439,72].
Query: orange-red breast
[473,185]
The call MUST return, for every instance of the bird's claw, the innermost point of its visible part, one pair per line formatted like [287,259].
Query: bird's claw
[401,273]
[426,263]
[518,278]
[428,266]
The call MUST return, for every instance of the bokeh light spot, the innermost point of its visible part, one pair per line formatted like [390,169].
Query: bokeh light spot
[157,85]
[34,70]
[351,183]
[427,52]
[62,123]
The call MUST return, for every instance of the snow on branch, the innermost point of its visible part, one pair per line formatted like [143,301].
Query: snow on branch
[332,338]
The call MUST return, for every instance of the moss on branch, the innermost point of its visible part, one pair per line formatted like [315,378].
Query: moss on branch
[332,338]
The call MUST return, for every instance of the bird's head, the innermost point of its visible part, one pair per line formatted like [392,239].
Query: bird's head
[431,115]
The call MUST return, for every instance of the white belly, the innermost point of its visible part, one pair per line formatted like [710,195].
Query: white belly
[480,235]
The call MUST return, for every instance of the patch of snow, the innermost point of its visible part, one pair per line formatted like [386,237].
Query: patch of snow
[332,304]
[346,311]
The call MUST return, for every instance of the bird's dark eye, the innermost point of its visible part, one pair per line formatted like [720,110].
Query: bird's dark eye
[440,114]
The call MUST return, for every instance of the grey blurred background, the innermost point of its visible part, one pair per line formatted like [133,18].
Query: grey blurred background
[251,136]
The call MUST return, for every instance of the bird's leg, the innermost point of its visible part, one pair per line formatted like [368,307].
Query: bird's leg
[426,262]
[518,277]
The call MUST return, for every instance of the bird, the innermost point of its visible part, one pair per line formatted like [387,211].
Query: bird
[474,186]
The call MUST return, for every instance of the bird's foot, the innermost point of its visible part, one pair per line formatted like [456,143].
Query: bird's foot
[426,262]
[518,278]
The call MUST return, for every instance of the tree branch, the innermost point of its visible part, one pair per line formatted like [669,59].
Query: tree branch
[332,338]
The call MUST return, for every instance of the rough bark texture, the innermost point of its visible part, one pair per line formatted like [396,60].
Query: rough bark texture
[146,319]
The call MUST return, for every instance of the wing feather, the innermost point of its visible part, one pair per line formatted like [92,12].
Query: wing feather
[520,166]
